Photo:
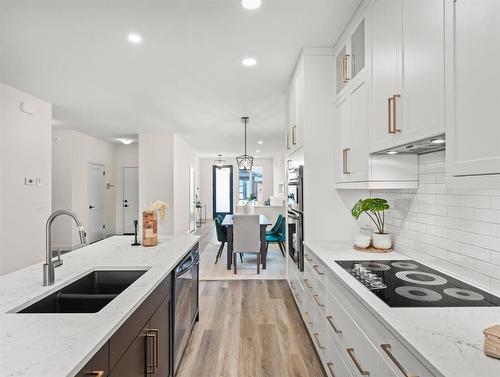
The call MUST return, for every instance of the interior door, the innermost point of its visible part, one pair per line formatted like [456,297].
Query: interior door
[192,199]
[96,186]
[222,190]
[130,198]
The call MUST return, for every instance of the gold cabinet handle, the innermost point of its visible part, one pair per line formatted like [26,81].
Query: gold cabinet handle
[330,369]
[96,373]
[316,336]
[345,165]
[308,258]
[361,370]
[294,135]
[345,68]
[330,321]
[151,365]
[316,267]
[390,112]
[395,128]
[392,128]
[316,298]
[387,350]
[307,283]
[307,318]
[157,346]
[298,298]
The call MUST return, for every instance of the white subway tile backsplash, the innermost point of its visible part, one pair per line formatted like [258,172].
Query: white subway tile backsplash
[455,230]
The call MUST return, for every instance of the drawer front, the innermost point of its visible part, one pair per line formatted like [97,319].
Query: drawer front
[360,356]
[334,365]
[396,356]
[297,290]
[316,265]
[315,287]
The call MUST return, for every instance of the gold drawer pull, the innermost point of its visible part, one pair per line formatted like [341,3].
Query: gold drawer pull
[151,365]
[307,283]
[157,346]
[387,350]
[96,373]
[316,267]
[330,368]
[316,298]
[316,336]
[361,370]
[298,298]
[307,318]
[309,259]
[330,320]
[345,169]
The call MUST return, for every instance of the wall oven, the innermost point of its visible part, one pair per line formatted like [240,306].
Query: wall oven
[296,216]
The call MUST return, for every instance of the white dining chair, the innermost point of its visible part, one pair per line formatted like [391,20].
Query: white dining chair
[246,237]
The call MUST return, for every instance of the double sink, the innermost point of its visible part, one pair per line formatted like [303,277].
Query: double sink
[89,294]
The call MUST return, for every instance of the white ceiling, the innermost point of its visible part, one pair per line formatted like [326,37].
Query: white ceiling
[185,77]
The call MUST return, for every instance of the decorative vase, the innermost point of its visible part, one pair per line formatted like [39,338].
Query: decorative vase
[149,228]
[381,241]
[249,210]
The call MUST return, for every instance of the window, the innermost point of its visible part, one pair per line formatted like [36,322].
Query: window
[251,183]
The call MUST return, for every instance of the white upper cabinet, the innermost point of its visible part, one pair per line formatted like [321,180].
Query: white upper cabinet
[407,39]
[473,82]
[350,59]
[295,114]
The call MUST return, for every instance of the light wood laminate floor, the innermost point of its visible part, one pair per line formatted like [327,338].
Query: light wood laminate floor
[249,328]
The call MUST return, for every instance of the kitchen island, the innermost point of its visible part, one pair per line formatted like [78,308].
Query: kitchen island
[48,344]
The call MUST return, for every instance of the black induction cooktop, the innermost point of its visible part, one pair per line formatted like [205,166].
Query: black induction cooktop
[407,283]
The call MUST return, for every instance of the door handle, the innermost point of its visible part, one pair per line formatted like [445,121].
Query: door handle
[361,370]
[345,151]
[387,350]
[150,365]
[391,108]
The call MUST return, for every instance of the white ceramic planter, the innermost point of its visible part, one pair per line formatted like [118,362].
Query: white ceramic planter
[362,241]
[381,241]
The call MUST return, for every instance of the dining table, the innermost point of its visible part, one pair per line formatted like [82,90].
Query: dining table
[264,222]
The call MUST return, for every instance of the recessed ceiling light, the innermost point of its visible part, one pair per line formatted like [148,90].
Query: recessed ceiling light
[392,152]
[438,141]
[251,4]
[257,151]
[126,141]
[134,38]
[260,142]
[249,62]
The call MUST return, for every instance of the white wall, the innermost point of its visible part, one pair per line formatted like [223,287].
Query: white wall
[156,175]
[71,153]
[185,158]
[126,156]
[25,151]
[206,165]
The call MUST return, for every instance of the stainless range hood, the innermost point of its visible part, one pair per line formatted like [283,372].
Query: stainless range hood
[432,144]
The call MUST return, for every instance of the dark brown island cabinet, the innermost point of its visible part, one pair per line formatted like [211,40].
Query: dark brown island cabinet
[143,345]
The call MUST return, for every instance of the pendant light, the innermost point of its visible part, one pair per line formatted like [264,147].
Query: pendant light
[245,161]
[219,163]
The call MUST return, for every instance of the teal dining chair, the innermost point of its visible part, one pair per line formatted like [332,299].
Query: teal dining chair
[278,236]
[275,226]
[221,237]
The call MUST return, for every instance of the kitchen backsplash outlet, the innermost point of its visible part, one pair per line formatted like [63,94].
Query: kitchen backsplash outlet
[457,231]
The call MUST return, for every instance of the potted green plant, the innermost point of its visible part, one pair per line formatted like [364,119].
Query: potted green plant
[375,209]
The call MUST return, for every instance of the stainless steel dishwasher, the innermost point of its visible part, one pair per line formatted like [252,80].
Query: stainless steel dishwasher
[185,302]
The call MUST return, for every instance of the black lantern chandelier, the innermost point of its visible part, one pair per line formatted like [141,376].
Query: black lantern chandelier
[245,161]
[219,163]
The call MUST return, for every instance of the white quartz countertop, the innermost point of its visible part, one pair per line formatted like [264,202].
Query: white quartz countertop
[448,340]
[59,345]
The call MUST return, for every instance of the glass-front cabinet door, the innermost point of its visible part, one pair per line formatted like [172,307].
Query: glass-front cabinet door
[357,55]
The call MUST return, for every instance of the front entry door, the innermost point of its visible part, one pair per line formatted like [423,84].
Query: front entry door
[96,186]
[130,199]
[222,190]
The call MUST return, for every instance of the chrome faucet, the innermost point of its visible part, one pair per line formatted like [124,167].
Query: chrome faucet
[50,265]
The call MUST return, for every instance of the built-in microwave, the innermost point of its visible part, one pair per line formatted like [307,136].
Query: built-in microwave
[296,216]
[296,188]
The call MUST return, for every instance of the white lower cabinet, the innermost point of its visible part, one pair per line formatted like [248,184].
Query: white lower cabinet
[350,341]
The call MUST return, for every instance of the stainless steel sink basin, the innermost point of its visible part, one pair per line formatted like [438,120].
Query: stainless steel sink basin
[89,294]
